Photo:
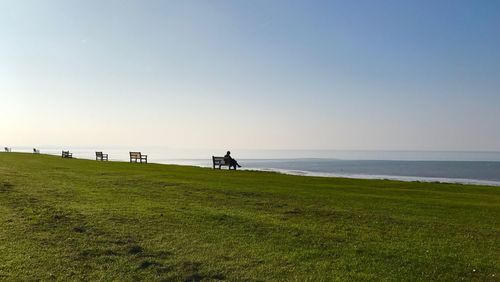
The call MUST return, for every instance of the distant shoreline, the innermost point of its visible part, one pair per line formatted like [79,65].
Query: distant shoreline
[386,177]
[310,173]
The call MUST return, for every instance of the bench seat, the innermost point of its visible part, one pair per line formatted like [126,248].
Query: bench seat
[99,156]
[138,157]
[220,161]
[67,155]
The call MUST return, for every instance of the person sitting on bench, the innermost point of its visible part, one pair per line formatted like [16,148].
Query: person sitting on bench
[232,162]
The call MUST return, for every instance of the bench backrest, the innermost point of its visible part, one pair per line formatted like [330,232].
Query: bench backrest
[135,154]
[98,154]
[219,160]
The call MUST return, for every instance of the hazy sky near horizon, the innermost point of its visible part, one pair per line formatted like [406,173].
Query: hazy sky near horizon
[389,75]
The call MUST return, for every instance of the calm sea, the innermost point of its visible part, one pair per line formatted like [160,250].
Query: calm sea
[455,167]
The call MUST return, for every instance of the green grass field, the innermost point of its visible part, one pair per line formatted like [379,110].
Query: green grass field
[63,219]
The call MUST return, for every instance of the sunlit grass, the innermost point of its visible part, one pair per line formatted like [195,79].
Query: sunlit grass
[86,220]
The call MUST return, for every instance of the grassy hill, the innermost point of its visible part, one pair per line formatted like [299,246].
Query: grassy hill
[63,219]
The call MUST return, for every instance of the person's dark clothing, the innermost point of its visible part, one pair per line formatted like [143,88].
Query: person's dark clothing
[232,162]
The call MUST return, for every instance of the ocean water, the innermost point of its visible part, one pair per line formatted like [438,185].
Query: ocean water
[431,166]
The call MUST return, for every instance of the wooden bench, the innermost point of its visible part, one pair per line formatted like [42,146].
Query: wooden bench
[220,161]
[7,149]
[99,156]
[137,156]
[35,151]
[66,155]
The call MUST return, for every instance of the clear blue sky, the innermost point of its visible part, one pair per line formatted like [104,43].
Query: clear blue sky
[396,75]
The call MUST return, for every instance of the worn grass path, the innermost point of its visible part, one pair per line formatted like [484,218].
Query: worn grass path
[66,220]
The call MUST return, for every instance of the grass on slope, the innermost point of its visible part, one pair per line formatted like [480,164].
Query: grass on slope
[67,219]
